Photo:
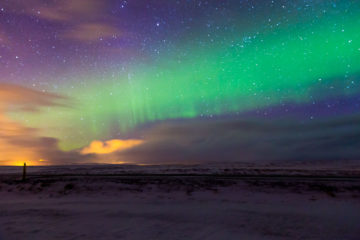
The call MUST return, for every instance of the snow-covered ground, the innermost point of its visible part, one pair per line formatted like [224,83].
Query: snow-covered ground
[176,207]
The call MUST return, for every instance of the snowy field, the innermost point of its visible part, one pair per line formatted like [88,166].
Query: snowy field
[178,202]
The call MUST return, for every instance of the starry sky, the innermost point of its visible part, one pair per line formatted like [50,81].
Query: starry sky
[185,81]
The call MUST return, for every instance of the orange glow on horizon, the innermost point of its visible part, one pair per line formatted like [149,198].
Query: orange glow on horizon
[28,163]
[19,161]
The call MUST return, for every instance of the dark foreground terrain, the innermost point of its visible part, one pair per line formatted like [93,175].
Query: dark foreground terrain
[174,202]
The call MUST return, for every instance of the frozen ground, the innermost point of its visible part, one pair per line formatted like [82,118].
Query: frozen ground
[100,203]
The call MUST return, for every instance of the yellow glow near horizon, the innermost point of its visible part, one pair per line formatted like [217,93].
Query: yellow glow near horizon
[107,147]
[29,162]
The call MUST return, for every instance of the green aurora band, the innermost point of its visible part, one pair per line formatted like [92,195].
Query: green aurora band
[233,76]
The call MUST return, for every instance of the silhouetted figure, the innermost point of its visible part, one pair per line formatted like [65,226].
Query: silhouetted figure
[24,172]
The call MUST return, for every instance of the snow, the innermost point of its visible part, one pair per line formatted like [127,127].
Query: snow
[179,207]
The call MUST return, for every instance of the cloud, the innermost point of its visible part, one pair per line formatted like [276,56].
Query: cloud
[61,11]
[19,143]
[91,32]
[14,97]
[81,20]
[333,140]
[110,146]
[4,40]
[69,10]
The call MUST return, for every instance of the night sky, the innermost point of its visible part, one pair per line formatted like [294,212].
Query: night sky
[161,81]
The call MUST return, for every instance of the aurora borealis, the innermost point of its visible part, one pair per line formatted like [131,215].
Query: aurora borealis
[119,67]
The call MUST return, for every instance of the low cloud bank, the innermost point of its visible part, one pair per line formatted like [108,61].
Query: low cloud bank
[251,141]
